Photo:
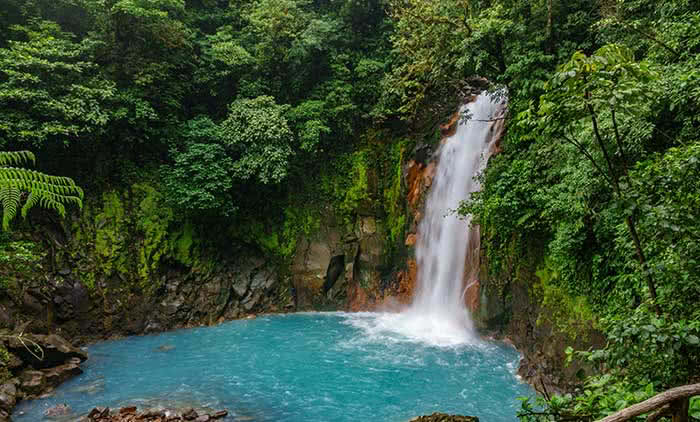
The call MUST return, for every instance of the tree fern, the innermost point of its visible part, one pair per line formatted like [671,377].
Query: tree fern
[35,188]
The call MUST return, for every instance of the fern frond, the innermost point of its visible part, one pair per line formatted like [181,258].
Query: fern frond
[46,191]
[9,158]
[9,198]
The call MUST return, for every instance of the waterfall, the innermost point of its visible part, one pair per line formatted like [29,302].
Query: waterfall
[447,250]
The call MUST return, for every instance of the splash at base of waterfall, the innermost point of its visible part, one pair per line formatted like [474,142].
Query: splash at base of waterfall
[439,329]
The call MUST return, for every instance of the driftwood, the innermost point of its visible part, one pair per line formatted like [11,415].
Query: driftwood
[676,399]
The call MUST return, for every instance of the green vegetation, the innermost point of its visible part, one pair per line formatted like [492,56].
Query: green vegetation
[52,192]
[18,259]
[195,124]
[601,147]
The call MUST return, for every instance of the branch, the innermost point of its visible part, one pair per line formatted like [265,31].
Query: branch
[601,144]
[654,403]
[487,120]
[648,36]
[583,150]
[662,412]
[620,149]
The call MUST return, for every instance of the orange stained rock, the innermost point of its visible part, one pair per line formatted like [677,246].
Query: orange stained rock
[471,296]
[406,282]
[358,300]
[449,128]
[411,239]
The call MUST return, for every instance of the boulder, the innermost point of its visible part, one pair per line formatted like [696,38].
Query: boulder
[8,397]
[152,414]
[220,414]
[58,374]
[55,350]
[189,414]
[127,410]
[443,417]
[98,413]
[58,411]
[32,382]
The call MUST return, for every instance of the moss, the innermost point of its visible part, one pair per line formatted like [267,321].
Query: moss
[393,200]
[153,220]
[4,356]
[279,238]
[19,260]
[111,235]
[298,221]
[5,373]
[358,189]
[184,243]
[568,314]
[134,232]
[346,184]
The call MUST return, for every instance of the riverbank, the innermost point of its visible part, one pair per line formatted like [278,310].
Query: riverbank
[131,414]
[33,365]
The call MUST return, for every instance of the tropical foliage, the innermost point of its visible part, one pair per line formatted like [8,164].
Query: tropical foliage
[33,188]
[247,114]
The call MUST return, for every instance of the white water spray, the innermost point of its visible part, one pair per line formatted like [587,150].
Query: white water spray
[446,244]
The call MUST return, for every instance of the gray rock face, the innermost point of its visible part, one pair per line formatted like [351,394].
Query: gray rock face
[338,257]
[240,286]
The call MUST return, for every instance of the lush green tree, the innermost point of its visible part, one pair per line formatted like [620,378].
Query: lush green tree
[607,90]
[200,180]
[256,133]
[51,89]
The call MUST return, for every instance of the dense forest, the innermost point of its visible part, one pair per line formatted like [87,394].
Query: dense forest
[240,119]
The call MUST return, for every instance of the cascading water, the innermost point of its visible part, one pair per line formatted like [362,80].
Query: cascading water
[447,249]
[445,241]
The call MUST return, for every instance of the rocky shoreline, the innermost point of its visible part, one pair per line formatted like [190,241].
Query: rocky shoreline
[444,417]
[131,414]
[34,365]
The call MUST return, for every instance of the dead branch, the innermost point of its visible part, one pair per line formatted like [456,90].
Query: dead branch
[656,402]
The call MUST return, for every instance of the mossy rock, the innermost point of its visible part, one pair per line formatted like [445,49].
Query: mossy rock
[444,417]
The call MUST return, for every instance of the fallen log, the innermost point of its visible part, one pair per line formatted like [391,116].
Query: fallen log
[676,397]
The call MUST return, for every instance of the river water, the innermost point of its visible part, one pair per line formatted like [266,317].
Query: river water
[297,367]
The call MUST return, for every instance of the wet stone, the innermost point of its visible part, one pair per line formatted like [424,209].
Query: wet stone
[189,414]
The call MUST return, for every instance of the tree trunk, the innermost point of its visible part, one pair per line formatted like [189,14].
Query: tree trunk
[630,221]
[677,397]
[680,410]
[643,261]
